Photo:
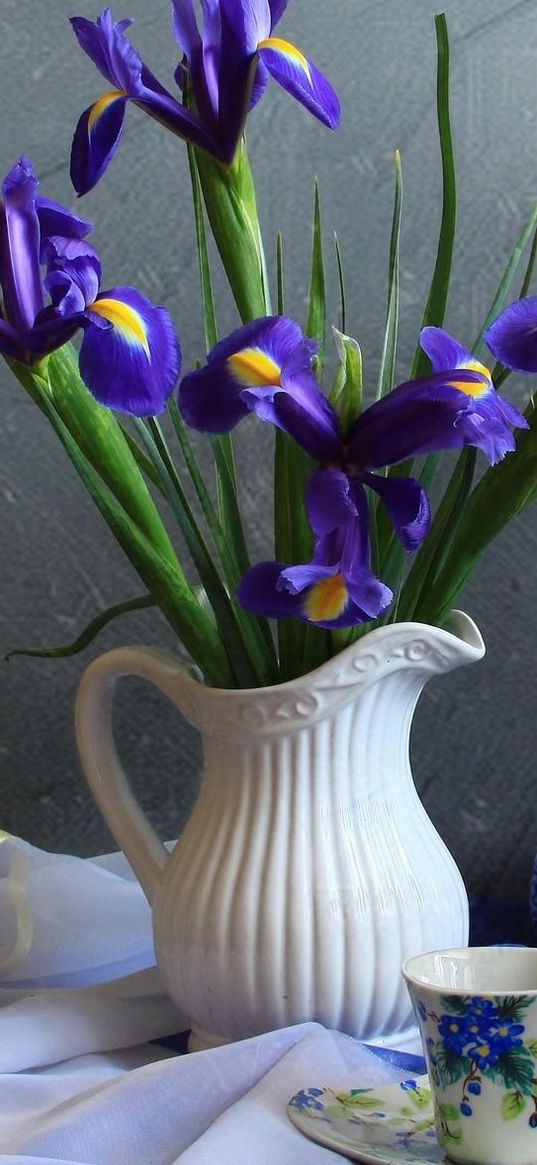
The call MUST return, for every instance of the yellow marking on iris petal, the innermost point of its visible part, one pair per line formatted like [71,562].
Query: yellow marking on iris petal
[287,50]
[254,369]
[327,599]
[128,321]
[102,104]
[474,388]
[476,366]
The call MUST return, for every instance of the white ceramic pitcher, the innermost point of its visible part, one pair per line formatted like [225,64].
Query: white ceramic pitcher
[309,869]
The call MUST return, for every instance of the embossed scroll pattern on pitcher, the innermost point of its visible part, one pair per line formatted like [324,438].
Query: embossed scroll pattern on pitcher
[311,697]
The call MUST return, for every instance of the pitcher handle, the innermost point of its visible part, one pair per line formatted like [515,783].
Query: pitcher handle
[93,723]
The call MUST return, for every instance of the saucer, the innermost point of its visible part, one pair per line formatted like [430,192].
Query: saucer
[382,1126]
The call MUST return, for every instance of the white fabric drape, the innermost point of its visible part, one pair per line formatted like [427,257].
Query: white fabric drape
[80,1001]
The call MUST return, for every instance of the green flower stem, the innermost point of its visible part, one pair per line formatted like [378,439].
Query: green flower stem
[226,478]
[99,437]
[503,493]
[230,201]
[245,666]
[507,279]
[393,558]
[435,549]
[257,630]
[159,570]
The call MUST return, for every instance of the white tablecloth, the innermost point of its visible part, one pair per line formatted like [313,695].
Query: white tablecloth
[80,999]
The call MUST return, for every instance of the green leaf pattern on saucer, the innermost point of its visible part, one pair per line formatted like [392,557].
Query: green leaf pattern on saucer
[388,1125]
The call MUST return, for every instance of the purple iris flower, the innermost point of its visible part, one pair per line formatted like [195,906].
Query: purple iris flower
[129,357]
[512,338]
[265,367]
[234,56]
[250,371]
[229,62]
[337,589]
[455,406]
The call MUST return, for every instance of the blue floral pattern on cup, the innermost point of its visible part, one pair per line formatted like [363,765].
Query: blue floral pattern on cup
[477,1042]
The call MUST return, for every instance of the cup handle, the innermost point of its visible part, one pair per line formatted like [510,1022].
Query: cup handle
[103,770]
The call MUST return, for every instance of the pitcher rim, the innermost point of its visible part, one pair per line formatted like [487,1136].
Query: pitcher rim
[459,630]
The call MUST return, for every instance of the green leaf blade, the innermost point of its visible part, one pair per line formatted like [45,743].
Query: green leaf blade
[508,277]
[89,633]
[435,308]
[316,323]
[386,377]
[347,393]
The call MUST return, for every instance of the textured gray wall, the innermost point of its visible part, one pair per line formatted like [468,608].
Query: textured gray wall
[474,737]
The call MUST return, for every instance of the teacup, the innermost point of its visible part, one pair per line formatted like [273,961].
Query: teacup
[477,1013]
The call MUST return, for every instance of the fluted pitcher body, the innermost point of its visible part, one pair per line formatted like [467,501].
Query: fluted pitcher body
[308,870]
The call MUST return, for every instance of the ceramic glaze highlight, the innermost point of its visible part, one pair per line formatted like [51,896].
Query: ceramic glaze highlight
[308,870]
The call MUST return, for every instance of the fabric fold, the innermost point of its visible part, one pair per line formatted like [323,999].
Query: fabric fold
[80,1083]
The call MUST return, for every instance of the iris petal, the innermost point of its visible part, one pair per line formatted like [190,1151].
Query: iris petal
[67,299]
[277,9]
[296,579]
[444,351]
[11,344]
[95,142]
[20,236]
[185,28]
[277,336]
[301,79]
[407,504]
[211,403]
[133,364]
[108,47]
[261,79]
[246,372]
[251,21]
[99,129]
[329,500]
[258,591]
[336,589]
[442,411]
[76,261]
[512,338]
[301,410]
[55,219]
[327,600]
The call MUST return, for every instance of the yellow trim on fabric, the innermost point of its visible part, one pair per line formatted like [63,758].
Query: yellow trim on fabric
[124,317]
[327,599]
[102,103]
[254,368]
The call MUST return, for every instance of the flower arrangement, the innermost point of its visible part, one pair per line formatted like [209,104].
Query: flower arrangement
[354,539]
